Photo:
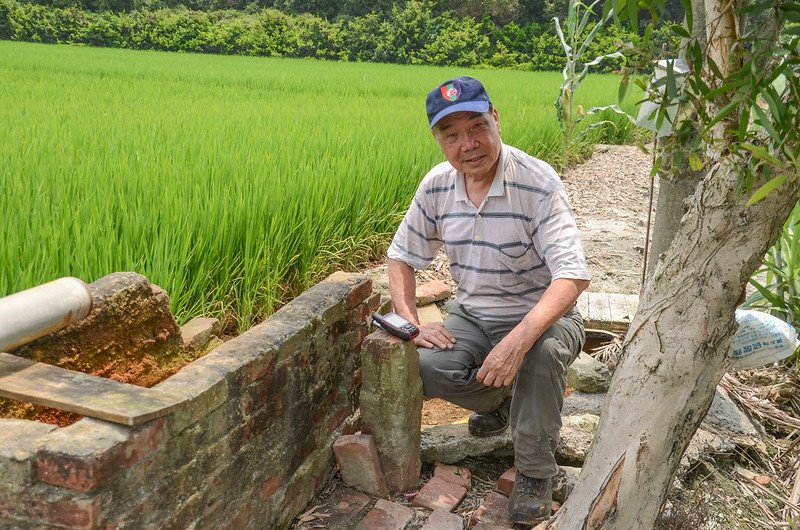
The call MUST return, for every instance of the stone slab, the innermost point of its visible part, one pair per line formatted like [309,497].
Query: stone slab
[430,314]
[96,397]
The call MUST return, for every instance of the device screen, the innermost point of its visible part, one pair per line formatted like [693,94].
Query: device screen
[395,320]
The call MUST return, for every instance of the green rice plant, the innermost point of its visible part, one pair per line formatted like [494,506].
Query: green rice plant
[232,182]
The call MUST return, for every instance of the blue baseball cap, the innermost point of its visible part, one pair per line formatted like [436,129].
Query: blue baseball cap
[456,95]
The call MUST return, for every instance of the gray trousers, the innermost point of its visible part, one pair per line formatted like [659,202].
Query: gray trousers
[538,390]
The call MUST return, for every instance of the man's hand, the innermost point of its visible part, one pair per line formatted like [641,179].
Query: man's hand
[503,362]
[434,335]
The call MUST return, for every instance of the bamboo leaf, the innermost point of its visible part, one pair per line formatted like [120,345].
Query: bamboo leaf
[624,84]
[765,122]
[765,190]
[721,115]
[763,154]
[687,11]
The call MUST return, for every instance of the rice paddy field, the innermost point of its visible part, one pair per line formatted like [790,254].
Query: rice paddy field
[231,182]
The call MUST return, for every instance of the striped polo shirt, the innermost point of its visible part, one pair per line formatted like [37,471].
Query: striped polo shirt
[503,253]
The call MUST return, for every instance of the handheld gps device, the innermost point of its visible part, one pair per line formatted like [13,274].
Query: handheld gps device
[396,325]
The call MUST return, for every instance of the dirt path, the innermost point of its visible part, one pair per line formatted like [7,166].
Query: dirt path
[610,196]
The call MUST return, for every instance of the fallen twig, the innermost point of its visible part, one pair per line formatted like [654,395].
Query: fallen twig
[763,409]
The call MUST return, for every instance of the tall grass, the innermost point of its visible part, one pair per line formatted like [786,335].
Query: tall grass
[232,182]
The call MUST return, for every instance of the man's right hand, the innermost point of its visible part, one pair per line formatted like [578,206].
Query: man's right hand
[434,335]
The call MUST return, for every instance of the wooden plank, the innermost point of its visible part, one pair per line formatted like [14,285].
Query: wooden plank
[599,310]
[619,308]
[633,304]
[96,397]
[583,305]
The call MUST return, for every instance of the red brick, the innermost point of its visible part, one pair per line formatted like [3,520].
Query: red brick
[374,302]
[347,500]
[505,484]
[359,293]
[443,520]
[454,475]
[359,463]
[386,515]
[437,493]
[73,514]
[430,292]
[493,511]
[84,473]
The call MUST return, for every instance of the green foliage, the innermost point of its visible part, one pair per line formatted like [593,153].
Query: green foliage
[411,33]
[777,282]
[577,39]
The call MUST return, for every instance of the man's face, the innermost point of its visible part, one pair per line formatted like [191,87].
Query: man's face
[471,142]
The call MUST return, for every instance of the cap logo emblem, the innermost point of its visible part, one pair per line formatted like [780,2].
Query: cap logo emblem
[451,91]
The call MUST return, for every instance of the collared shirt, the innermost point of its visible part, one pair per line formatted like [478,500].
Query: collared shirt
[503,253]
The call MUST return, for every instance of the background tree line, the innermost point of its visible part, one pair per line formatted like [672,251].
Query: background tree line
[501,12]
[414,32]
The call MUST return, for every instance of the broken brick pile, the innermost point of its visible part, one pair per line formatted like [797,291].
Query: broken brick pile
[435,501]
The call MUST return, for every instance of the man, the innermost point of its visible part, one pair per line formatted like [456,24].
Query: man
[514,251]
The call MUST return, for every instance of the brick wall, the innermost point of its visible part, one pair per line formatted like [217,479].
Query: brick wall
[248,448]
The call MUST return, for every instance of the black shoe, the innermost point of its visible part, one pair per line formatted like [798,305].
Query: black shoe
[531,500]
[491,423]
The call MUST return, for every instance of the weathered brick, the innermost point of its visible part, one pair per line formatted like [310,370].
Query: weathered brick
[493,511]
[386,515]
[347,500]
[442,519]
[198,332]
[360,464]
[75,514]
[360,286]
[19,441]
[84,455]
[505,484]
[359,292]
[430,292]
[391,406]
[437,493]
[201,391]
[454,474]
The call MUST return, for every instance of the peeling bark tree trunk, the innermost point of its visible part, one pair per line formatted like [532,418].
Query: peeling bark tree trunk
[675,352]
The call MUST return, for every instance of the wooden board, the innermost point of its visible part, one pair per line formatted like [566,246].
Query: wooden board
[608,311]
[96,397]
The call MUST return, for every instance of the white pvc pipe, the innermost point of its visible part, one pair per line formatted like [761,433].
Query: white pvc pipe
[28,315]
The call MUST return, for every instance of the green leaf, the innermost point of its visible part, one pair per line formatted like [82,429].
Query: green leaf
[656,167]
[763,154]
[680,31]
[687,11]
[714,68]
[744,123]
[764,122]
[695,162]
[721,115]
[623,87]
[764,190]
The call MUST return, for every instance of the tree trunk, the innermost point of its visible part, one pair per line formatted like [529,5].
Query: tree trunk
[674,354]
